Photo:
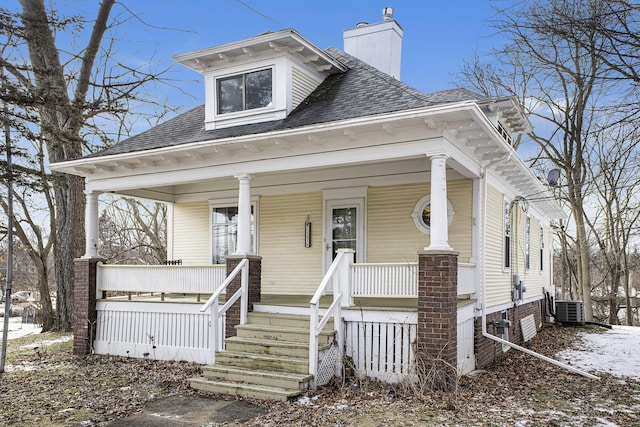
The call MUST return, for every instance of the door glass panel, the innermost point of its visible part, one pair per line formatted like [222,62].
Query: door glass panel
[344,229]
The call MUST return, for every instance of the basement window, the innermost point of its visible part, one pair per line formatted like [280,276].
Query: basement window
[245,91]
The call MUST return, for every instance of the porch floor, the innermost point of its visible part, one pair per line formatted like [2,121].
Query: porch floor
[360,303]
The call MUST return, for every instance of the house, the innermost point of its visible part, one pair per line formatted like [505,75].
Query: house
[331,214]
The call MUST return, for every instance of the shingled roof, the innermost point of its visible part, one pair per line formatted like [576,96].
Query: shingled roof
[360,91]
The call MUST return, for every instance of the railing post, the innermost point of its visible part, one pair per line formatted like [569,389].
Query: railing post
[244,288]
[215,330]
[344,277]
[313,342]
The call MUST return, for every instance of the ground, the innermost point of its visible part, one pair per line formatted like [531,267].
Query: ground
[46,385]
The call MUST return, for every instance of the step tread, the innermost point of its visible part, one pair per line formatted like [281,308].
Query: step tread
[279,315]
[273,343]
[262,373]
[267,392]
[242,354]
[272,328]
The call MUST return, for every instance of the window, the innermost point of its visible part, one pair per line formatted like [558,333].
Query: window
[224,232]
[507,236]
[422,214]
[245,91]
[527,242]
[504,134]
[541,249]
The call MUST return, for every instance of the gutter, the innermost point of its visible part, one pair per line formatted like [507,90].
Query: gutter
[483,189]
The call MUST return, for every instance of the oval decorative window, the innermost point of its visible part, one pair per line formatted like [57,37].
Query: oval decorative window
[422,214]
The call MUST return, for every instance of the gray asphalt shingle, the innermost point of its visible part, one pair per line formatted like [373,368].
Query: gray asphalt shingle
[360,91]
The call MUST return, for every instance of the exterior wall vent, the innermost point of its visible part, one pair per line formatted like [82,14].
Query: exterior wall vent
[569,312]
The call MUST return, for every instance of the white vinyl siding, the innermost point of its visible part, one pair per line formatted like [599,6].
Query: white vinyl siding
[288,267]
[302,85]
[534,279]
[497,281]
[391,233]
[191,233]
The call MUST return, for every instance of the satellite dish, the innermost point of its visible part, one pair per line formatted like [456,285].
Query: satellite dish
[553,176]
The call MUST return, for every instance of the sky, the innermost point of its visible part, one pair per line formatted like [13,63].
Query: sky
[438,35]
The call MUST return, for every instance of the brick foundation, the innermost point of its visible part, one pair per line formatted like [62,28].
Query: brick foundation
[488,351]
[84,306]
[255,273]
[437,345]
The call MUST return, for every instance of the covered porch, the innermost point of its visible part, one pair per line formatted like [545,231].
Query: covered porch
[156,312]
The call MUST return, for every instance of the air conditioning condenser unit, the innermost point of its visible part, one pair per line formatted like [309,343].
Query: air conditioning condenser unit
[569,312]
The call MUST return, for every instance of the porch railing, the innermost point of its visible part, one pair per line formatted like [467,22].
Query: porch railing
[338,277]
[401,279]
[202,279]
[385,280]
[213,303]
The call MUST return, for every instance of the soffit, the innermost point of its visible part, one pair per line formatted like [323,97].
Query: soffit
[286,42]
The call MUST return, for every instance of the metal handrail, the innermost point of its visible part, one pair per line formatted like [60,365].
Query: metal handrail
[217,311]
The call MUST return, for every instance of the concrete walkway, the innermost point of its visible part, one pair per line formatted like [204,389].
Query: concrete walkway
[187,411]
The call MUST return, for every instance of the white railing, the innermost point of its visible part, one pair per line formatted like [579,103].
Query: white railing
[338,278]
[213,303]
[401,279]
[204,279]
[385,280]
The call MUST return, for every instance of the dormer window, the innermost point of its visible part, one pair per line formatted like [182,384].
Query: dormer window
[246,91]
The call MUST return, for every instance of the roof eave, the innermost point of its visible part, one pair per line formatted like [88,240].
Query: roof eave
[198,60]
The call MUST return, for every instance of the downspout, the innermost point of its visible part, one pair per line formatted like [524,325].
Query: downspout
[483,189]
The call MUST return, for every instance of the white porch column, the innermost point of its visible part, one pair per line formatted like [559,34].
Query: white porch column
[91,225]
[243,245]
[439,227]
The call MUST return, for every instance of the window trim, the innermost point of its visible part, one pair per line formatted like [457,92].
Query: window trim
[541,245]
[419,208]
[244,110]
[230,203]
[506,237]
[527,243]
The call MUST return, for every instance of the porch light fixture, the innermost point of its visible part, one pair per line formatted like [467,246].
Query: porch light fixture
[422,214]
[307,233]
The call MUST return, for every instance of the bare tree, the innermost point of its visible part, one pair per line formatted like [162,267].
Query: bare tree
[65,98]
[133,231]
[616,157]
[568,88]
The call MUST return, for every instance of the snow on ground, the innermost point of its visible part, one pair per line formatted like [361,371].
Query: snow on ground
[18,329]
[615,351]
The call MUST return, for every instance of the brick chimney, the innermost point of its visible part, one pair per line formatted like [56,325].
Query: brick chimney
[378,44]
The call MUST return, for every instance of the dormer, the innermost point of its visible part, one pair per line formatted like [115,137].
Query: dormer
[260,79]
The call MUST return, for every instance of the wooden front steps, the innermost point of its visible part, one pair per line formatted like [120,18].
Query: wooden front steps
[268,359]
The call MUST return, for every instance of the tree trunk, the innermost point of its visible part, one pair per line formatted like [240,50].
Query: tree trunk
[46,307]
[584,271]
[70,203]
[62,119]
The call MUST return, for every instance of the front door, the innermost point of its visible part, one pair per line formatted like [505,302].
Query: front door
[343,229]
